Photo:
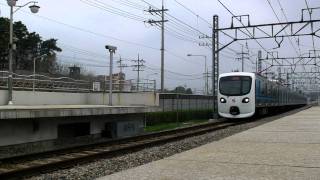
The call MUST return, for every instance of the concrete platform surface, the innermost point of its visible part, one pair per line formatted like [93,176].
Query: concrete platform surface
[288,148]
[17,112]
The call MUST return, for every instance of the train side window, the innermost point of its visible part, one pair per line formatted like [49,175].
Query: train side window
[264,88]
[269,89]
[258,87]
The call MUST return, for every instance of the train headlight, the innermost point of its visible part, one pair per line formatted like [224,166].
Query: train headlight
[223,100]
[246,100]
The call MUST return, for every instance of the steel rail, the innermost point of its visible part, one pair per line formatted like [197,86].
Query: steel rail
[26,165]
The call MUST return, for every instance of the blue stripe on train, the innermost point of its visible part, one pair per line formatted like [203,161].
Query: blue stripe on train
[264,97]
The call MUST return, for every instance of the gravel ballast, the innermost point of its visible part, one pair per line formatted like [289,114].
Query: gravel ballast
[108,166]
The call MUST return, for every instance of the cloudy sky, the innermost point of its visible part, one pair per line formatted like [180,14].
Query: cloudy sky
[84,27]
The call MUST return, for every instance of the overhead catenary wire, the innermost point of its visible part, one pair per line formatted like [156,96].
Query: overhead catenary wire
[286,18]
[246,30]
[192,12]
[275,13]
[310,13]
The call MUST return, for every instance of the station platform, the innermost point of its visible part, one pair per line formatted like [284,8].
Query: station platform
[288,148]
[45,111]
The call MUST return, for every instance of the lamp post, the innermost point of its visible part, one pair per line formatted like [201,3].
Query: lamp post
[205,71]
[112,50]
[34,9]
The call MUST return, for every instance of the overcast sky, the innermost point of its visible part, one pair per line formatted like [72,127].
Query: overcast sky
[83,31]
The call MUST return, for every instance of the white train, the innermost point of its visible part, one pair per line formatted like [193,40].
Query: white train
[242,94]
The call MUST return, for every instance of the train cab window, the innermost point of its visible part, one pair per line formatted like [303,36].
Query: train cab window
[235,85]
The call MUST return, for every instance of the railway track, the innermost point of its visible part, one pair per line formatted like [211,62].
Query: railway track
[28,165]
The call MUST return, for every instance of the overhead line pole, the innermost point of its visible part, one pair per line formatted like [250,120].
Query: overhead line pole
[242,58]
[138,67]
[121,66]
[162,48]
[215,64]
[162,23]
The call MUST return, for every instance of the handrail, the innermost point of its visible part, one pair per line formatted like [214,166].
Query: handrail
[46,83]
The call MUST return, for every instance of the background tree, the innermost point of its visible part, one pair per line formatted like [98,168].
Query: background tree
[48,50]
[182,90]
[29,45]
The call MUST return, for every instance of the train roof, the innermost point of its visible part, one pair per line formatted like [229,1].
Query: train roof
[254,75]
[238,74]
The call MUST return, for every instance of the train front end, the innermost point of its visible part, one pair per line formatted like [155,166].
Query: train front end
[236,95]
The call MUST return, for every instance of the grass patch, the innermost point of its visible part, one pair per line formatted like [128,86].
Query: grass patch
[172,125]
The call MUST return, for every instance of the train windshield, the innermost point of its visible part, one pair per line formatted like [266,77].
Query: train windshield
[235,85]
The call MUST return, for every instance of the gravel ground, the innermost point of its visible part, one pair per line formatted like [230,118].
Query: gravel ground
[105,167]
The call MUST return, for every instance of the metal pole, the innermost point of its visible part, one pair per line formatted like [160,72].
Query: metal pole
[10,88]
[110,77]
[242,60]
[259,65]
[162,49]
[34,73]
[206,76]
[138,80]
[154,85]
[215,63]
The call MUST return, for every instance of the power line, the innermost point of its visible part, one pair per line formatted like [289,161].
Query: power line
[82,59]
[108,8]
[178,35]
[83,52]
[173,72]
[86,30]
[162,23]
[68,59]
[102,35]
[192,12]
[180,57]
[184,25]
[130,4]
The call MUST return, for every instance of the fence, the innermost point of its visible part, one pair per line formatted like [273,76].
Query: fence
[177,102]
[38,82]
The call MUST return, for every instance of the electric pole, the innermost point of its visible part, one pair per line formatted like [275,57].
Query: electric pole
[215,65]
[259,64]
[121,66]
[138,66]
[159,23]
[243,55]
